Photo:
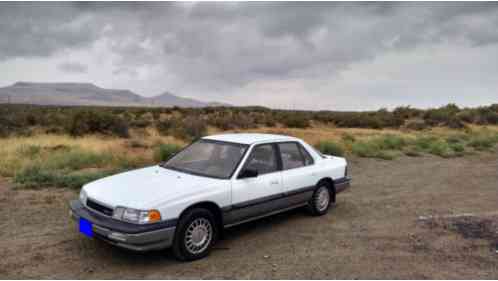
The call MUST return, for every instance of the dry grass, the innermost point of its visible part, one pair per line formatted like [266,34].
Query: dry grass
[321,133]
[19,152]
[44,155]
[389,143]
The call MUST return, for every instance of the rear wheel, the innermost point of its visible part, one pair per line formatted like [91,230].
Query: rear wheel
[196,233]
[320,201]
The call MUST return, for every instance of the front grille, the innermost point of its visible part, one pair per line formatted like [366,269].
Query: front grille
[98,207]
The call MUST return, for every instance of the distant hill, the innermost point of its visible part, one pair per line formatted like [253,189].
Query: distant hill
[168,98]
[89,94]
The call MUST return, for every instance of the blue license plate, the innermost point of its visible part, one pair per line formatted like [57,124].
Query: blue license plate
[86,227]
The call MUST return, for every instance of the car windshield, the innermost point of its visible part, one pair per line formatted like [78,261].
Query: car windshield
[208,158]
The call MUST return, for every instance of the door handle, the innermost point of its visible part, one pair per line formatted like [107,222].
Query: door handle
[274,182]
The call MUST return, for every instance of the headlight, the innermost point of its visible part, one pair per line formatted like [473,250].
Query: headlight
[136,216]
[83,196]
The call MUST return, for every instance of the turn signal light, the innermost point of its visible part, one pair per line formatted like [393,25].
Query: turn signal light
[154,215]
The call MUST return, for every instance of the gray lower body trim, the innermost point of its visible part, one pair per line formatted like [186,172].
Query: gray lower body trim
[153,240]
[266,206]
[342,184]
[149,240]
[265,215]
[117,225]
[269,205]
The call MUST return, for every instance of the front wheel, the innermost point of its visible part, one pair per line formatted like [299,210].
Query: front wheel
[195,235]
[320,201]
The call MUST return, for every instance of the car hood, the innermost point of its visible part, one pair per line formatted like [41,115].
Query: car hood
[147,187]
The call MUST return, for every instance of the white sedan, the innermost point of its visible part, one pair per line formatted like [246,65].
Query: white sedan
[214,183]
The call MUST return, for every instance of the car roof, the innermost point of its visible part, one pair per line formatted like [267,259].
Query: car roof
[250,138]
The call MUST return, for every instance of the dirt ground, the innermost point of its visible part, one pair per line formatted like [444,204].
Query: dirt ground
[400,219]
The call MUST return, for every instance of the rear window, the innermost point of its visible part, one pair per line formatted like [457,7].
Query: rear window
[318,152]
[308,160]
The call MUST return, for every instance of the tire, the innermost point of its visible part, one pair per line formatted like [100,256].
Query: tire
[319,203]
[195,235]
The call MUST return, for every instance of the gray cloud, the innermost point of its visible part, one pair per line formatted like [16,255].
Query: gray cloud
[224,47]
[39,29]
[73,67]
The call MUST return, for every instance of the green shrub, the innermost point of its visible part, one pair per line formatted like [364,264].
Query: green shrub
[18,119]
[455,123]
[165,151]
[243,121]
[457,148]
[416,125]
[193,128]
[140,123]
[29,151]
[365,149]
[411,151]
[12,123]
[467,115]
[348,138]
[95,121]
[486,115]
[383,147]
[137,144]
[386,155]
[64,166]
[188,128]
[330,148]
[483,142]
[457,138]
[442,116]
[440,148]
[358,120]
[292,120]
[165,127]
[77,159]
[223,122]
[232,121]
[406,112]
[393,142]
[424,142]
[127,163]
[372,150]
[269,122]
[35,176]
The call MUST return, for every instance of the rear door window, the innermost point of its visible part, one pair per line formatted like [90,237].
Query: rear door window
[291,156]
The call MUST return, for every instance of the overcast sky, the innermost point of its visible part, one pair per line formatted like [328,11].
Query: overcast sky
[337,56]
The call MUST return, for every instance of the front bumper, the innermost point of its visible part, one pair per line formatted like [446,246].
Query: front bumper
[126,235]
[342,184]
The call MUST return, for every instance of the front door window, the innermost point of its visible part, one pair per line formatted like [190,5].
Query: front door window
[263,159]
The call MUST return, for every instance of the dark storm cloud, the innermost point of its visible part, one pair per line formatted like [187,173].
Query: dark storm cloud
[39,29]
[224,45]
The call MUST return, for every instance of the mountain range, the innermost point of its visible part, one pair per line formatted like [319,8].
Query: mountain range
[89,94]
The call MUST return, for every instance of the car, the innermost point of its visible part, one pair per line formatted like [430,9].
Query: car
[214,183]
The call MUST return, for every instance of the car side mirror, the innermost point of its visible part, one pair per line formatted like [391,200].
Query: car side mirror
[248,173]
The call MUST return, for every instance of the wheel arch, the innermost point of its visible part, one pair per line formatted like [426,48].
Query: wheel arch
[212,207]
[330,183]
